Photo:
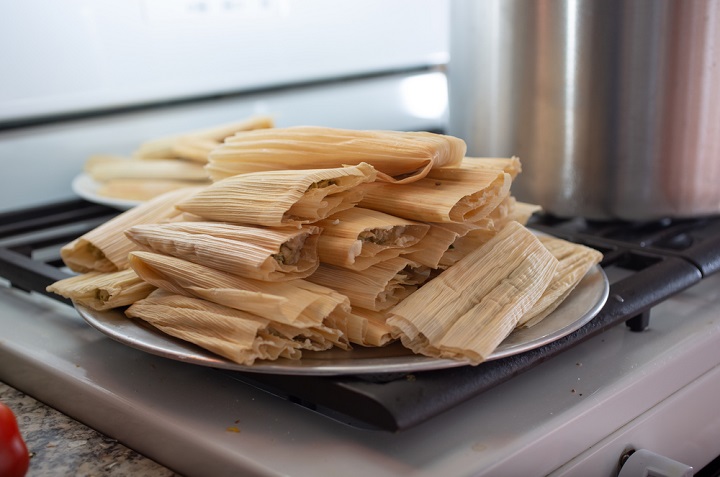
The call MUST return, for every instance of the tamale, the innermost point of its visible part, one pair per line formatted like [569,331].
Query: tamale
[375,331]
[462,195]
[194,149]
[358,238]
[298,303]
[511,165]
[96,159]
[466,311]
[103,290]
[575,261]
[167,147]
[430,250]
[223,131]
[377,287]
[315,338]
[399,157]
[142,189]
[352,326]
[165,169]
[236,335]
[523,211]
[470,236]
[281,198]
[275,254]
[105,248]
[504,212]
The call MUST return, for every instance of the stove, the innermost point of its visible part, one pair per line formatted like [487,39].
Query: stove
[569,397]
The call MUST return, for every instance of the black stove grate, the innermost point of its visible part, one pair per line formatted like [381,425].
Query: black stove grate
[659,259]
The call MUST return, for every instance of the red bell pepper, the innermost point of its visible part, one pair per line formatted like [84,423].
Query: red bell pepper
[14,456]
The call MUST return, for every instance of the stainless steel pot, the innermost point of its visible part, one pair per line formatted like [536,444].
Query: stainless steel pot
[612,105]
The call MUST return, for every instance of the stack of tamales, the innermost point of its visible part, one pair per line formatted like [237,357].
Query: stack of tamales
[164,164]
[311,238]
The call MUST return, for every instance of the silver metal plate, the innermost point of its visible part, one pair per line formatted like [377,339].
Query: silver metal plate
[577,310]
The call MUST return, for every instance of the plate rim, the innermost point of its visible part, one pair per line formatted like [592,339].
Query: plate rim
[86,187]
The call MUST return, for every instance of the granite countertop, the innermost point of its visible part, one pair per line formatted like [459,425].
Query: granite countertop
[60,445]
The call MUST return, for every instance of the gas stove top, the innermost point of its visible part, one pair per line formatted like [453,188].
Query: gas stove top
[572,407]
[653,261]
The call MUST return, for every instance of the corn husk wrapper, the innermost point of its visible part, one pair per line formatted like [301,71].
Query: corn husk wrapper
[238,336]
[142,189]
[297,303]
[523,211]
[281,198]
[470,236]
[260,253]
[511,165]
[106,248]
[358,238]
[463,195]
[469,309]
[430,250]
[98,159]
[512,209]
[375,330]
[399,157]
[375,288]
[194,149]
[165,169]
[504,212]
[103,290]
[447,243]
[575,261]
[171,146]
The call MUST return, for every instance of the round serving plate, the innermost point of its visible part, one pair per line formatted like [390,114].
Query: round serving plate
[578,309]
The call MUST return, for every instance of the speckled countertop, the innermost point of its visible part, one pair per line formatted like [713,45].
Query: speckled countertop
[61,446]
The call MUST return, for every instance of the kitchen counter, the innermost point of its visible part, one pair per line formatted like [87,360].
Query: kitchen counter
[60,445]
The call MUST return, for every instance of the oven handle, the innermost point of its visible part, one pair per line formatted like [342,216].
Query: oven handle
[644,463]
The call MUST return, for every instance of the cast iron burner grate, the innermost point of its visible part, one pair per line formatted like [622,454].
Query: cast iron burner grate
[658,260]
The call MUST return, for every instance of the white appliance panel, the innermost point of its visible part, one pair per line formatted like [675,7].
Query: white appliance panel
[81,55]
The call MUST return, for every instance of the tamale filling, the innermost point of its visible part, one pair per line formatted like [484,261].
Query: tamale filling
[290,251]
[384,236]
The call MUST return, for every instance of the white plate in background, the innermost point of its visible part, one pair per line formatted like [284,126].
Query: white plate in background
[87,188]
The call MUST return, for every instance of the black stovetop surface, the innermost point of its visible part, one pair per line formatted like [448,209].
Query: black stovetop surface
[659,259]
